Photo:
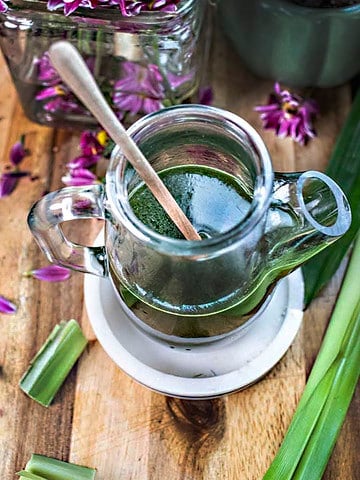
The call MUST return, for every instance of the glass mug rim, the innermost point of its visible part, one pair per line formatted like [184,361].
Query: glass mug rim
[117,197]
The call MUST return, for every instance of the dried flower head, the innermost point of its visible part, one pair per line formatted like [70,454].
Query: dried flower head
[289,115]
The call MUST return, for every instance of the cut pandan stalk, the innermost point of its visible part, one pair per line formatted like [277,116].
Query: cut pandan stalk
[318,418]
[46,468]
[29,476]
[51,365]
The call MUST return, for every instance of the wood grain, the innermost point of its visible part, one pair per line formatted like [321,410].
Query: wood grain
[25,426]
[101,417]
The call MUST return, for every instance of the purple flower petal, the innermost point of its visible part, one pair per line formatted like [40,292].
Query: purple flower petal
[284,127]
[3,6]
[51,273]
[80,177]
[6,306]
[54,4]
[151,105]
[82,205]
[46,72]
[140,90]
[71,6]
[64,104]
[89,144]
[266,108]
[17,153]
[83,161]
[8,184]
[131,103]
[206,96]
[132,7]
[9,180]
[50,92]
[176,81]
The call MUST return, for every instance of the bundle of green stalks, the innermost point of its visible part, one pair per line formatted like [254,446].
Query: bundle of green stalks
[315,426]
[319,416]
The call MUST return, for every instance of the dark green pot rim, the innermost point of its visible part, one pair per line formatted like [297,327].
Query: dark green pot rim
[330,12]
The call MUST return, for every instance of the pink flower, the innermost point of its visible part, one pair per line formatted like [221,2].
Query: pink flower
[50,273]
[6,306]
[289,115]
[141,89]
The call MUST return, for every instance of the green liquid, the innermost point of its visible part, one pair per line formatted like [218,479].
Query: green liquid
[212,200]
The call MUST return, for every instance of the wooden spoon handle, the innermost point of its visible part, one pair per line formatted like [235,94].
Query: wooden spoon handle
[75,73]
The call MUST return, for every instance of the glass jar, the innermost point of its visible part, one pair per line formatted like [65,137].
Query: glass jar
[256,226]
[142,63]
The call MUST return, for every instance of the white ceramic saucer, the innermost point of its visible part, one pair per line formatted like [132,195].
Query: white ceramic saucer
[203,370]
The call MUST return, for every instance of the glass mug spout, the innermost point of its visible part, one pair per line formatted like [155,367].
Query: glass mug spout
[256,225]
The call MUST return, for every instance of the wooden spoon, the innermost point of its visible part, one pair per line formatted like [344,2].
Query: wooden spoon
[75,73]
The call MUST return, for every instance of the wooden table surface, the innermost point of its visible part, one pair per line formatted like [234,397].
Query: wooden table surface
[103,419]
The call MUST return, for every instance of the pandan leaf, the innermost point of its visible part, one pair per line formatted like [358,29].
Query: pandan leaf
[29,476]
[344,168]
[314,428]
[52,469]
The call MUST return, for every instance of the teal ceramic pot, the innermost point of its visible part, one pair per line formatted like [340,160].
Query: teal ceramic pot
[296,45]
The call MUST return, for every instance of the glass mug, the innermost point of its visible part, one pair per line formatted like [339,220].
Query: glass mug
[256,226]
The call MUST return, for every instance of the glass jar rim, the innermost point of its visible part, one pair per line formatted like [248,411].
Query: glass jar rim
[117,198]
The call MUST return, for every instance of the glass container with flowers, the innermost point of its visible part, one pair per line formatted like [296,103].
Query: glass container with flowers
[144,54]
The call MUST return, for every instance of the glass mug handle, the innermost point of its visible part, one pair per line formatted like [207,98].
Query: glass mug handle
[69,203]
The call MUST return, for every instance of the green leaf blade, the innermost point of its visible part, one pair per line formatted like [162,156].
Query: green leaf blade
[53,469]
[29,476]
[322,442]
[304,422]
[344,168]
[53,362]
[317,421]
